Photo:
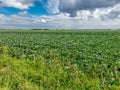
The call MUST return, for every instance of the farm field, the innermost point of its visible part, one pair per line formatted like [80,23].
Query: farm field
[60,60]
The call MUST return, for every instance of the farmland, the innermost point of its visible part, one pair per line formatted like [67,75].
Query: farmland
[62,60]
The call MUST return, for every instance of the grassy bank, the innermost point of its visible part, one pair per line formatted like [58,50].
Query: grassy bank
[43,75]
[55,74]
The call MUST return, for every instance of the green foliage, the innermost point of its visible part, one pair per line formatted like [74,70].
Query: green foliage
[62,60]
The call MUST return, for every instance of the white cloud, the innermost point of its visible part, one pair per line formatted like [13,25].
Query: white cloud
[43,20]
[60,21]
[23,13]
[20,4]
[97,18]
[52,6]
[40,20]
[72,6]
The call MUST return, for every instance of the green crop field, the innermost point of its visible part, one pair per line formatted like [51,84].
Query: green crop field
[60,60]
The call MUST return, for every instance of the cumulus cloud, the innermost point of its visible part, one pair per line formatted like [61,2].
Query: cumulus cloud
[52,6]
[20,4]
[115,12]
[67,14]
[71,6]
[86,9]
[21,22]
[23,13]
[60,21]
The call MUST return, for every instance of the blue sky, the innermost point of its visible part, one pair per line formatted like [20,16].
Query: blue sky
[60,14]
[39,8]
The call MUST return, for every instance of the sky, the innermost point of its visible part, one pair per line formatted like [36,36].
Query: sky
[59,14]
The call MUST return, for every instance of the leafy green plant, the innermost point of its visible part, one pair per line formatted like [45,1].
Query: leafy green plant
[59,60]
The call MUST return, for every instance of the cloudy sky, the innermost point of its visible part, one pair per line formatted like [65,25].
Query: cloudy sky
[60,14]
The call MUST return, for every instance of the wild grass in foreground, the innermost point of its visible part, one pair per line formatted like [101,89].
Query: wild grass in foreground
[41,74]
[51,75]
